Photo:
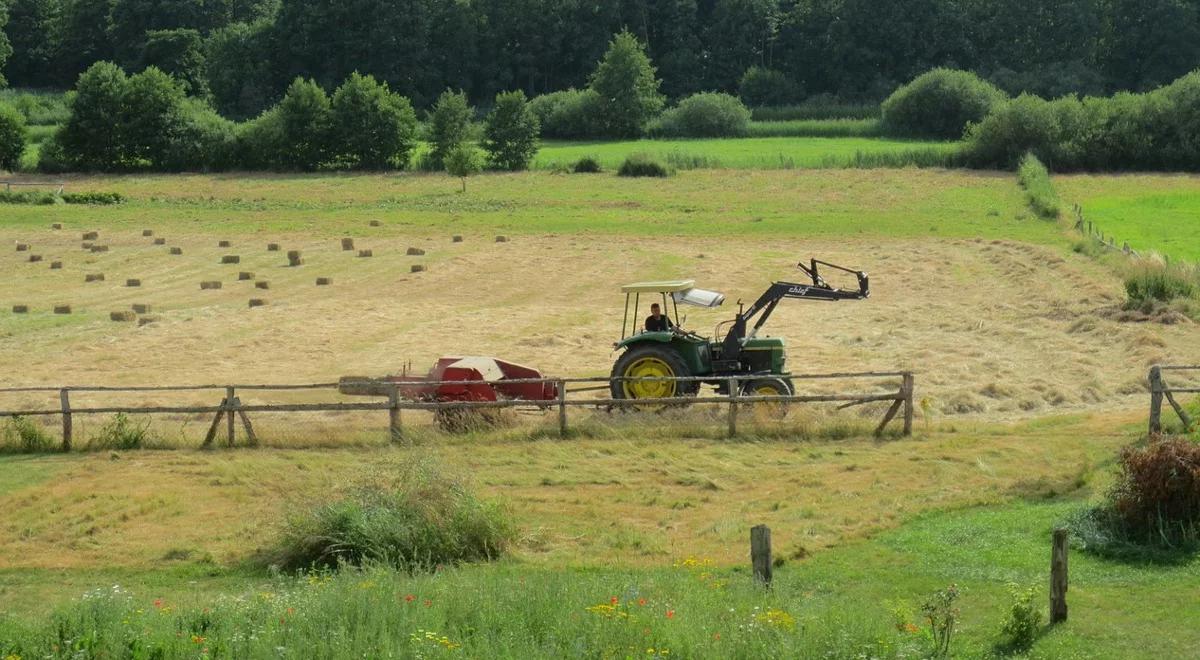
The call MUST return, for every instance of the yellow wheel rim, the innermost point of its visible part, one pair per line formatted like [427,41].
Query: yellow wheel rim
[765,411]
[649,367]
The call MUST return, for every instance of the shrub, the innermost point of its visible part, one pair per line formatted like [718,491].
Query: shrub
[939,104]
[821,106]
[12,137]
[570,113]
[1024,621]
[154,112]
[52,157]
[91,139]
[1035,179]
[510,134]
[121,433]
[708,114]
[448,127]
[373,128]
[1050,130]
[463,161]
[1157,281]
[180,53]
[586,165]
[304,123]
[941,614]
[642,165]
[761,87]
[413,516]
[23,435]
[201,141]
[626,88]
[94,198]
[38,108]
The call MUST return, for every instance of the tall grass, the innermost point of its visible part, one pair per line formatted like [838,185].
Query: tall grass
[690,611]
[1151,280]
[817,109]
[1039,191]
[40,108]
[820,128]
[947,158]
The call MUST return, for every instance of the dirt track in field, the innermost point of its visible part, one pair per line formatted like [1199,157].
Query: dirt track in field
[996,329]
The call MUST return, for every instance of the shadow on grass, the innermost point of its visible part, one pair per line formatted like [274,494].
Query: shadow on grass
[1099,532]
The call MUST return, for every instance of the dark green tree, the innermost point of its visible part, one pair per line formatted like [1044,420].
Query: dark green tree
[448,127]
[305,121]
[12,137]
[91,138]
[82,38]
[5,46]
[739,35]
[373,128]
[510,133]
[153,107]
[31,33]
[762,87]
[240,76]
[180,53]
[627,87]
[462,161]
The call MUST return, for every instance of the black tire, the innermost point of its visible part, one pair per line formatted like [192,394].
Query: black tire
[662,352]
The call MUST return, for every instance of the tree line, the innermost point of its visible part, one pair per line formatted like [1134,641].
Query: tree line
[243,54]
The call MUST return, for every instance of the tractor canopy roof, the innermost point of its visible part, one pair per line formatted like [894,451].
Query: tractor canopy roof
[682,291]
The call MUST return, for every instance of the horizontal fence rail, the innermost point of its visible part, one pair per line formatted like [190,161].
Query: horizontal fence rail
[1159,390]
[232,410]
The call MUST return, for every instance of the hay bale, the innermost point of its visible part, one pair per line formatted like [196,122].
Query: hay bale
[160,241]
[209,284]
[147,320]
[262,284]
[414,251]
[375,223]
[245,275]
[141,308]
[20,309]
[417,268]
[99,248]
[224,244]
[501,239]
[124,317]
[34,258]
[56,225]
[457,238]
[365,253]
[62,309]
[147,232]
[86,245]
[133,282]
[176,250]
[272,247]
[347,243]
[55,265]
[231,259]
[257,302]
[91,235]
[22,247]
[294,258]
[93,277]
[324,281]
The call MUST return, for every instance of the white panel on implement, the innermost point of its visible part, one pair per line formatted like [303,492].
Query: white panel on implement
[699,298]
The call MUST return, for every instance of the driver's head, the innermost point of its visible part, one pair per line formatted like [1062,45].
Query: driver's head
[655,309]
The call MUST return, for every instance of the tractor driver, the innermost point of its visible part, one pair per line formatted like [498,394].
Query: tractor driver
[657,321]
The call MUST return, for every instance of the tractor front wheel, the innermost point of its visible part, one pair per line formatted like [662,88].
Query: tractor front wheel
[768,411]
[651,361]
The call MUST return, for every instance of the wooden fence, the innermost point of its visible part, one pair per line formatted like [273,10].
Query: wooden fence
[1159,390]
[1093,232]
[231,410]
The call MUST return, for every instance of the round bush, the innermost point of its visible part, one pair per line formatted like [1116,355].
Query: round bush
[939,104]
[12,137]
[642,165]
[586,165]
[567,114]
[762,87]
[1049,129]
[708,114]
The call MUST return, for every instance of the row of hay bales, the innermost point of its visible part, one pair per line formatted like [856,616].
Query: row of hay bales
[139,311]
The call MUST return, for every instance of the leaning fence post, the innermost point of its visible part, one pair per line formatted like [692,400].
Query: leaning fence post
[229,406]
[907,388]
[733,406]
[1058,577]
[562,407]
[1156,399]
[395,432]
[65,399]
[760,553]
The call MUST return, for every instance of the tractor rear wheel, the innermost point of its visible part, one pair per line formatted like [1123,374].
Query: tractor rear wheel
[651,361]
[768,411]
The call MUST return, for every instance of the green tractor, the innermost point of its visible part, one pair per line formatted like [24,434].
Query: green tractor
[652,356]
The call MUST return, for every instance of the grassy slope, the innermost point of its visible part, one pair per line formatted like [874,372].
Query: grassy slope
[1152,212]
[752,152]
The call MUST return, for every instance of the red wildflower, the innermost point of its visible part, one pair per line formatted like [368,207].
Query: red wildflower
[409,598]
[158,603]
[613,600]
[717,636]
[670,614]
[641,601]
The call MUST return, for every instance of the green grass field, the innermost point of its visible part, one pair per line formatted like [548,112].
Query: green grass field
[745,153]
[1159,213]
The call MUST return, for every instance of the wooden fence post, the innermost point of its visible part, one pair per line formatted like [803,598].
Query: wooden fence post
[65,399]
[395,432]
[732,383]
[229,406]
[760,553]
[907,388]
[1058,577]
[1156,399]
[562,408]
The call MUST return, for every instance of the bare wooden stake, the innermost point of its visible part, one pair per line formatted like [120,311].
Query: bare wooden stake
[395,432]
[231,401]
[732,383]
[760,553]
[1058,577]
[65,399]
[562,408]
[1156,399]
[907,388]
